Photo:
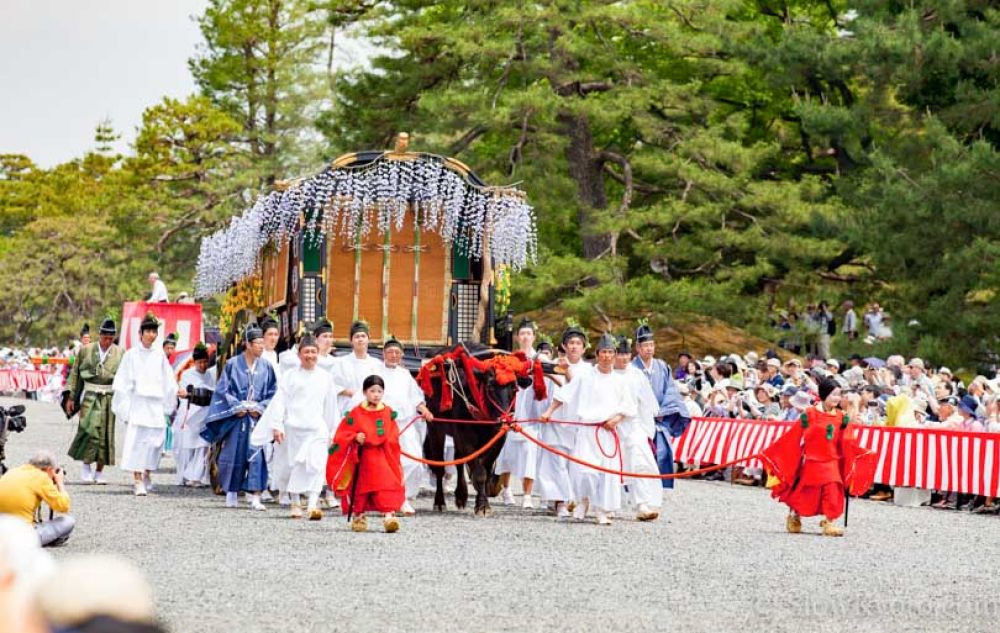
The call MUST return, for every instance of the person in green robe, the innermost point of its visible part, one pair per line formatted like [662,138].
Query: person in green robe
[89,390]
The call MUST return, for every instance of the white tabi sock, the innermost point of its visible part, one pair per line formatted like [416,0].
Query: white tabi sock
[313,500]
[295,498]
[232,498]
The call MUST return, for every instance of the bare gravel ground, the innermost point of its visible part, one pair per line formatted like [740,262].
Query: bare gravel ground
[718,561]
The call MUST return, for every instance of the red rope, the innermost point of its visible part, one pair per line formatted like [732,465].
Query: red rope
[597,439]
[462,460]
[622,473]
[515,426]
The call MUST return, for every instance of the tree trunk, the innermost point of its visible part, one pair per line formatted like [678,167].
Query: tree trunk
[586,169]
[274,27]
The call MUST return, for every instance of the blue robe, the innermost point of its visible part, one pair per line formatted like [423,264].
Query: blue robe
[241,465]
[672,419]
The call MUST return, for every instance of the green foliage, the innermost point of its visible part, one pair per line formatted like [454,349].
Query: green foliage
[260,64]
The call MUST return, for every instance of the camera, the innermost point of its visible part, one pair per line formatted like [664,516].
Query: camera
[11,418]
[16,424]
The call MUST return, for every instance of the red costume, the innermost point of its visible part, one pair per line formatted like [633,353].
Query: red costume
[816,461]
[380,477]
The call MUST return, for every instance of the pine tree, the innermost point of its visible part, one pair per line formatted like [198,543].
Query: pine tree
[260,63]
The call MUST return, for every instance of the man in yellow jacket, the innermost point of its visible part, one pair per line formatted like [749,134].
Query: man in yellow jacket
[23,489]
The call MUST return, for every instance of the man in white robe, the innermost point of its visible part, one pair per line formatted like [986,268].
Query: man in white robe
[302,416]
[323,334]
[351,370]
[554,483]
[600,398]
[635,434]
[519,456]
[158,290]
[272,334]
[277,459]
[406,398]
[190,449]
[145,392]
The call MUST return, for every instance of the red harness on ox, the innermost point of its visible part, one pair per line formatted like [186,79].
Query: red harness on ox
[506,369]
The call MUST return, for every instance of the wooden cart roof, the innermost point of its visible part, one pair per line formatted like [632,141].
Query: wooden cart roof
[373,190]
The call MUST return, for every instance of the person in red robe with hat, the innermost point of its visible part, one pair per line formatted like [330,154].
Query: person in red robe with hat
[818,462]
[364,460]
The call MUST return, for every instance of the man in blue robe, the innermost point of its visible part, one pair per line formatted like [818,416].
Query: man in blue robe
[243,391]
[673,418]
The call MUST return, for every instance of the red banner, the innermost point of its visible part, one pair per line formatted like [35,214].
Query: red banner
[933,459]
[182,318]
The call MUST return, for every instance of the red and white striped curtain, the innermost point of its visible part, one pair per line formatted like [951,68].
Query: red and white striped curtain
[22,379]
[934,459]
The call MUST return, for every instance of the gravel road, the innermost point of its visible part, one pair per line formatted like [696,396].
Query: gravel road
[720,561]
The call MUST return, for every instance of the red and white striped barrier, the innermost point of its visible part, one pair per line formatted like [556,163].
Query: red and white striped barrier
[22,379]
[934,459]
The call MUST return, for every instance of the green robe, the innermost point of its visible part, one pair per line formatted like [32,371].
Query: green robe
[95,438]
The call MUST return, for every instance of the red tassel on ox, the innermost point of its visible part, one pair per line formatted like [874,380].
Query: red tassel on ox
[538,379]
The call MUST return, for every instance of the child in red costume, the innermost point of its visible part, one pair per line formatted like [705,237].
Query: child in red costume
[818,462]
[369,430]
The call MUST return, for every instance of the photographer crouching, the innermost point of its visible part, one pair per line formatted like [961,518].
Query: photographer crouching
[23,489]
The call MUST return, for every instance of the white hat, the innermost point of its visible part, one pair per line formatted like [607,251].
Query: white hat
[751,358]
[774,362]
[801,400]
[768,387]
[945,370]
[854,375]
[916,362]
[708,361]
[833,362]
[793,361]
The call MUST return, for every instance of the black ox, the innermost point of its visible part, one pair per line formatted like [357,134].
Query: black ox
[497,400]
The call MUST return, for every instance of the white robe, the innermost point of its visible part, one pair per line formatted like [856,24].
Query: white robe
[553,481]
[350,372]
[278,460]
[289,359]
[403,395]
[635,433]
[145,393]
[304,409]
[190,449]
[159,292]
[519,456]
[271,356]
[595,397]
